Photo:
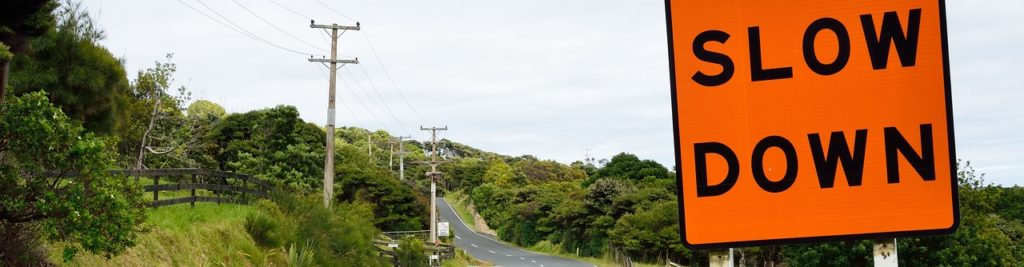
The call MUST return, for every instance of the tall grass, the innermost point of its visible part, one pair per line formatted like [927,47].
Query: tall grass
[209,234]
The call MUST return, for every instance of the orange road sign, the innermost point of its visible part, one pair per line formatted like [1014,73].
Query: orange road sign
[800,121]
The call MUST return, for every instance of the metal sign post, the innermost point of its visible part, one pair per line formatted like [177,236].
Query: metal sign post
[885,253]
[720,258]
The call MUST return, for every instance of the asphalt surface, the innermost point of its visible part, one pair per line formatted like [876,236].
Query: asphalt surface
[487,249]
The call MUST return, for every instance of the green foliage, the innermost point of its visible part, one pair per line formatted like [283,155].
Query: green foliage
[396,206]
[5,53]
[650,233]
[263,229]
[629,166]
[82,78]
[94,212]
[340,236]
[273,144]
[205,110]
[21,20]
[411,254]
[632,208]
[500,174]
[301,257]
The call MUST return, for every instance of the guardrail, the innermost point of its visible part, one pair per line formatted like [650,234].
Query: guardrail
[227,187]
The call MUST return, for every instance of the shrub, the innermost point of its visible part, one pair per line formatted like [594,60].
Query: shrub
[93,212]
[263,229]
[410,253]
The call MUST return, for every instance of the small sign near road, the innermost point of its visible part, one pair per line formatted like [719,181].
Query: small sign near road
[442,229]
[800,120]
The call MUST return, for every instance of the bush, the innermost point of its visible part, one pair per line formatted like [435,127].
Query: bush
[341,236]
[93,212]
[410,253]
[263,229]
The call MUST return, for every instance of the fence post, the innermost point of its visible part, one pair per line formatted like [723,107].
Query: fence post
[219,191]
[194,190]
[156,189]
[245,186]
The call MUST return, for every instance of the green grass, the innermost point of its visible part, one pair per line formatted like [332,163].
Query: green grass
[460,202]
[208,235]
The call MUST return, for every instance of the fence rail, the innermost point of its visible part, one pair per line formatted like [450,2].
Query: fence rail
[228,187]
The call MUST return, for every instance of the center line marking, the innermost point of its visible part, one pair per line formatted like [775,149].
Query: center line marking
[491,251]
[474,245]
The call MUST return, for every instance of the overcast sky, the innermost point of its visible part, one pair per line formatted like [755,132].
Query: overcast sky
[547,78]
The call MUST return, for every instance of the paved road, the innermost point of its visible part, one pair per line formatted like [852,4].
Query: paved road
[484,248]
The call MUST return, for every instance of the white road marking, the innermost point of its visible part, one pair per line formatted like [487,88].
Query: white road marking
[491,251]
[521,258]
[457,237]
[533,261]
[508,255]
[474,245]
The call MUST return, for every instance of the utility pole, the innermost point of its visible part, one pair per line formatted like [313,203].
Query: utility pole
[401,157]
[369,147]
[329,161]
[391,154]
[434,174]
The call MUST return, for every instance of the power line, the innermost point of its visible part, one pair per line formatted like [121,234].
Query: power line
[343,103]
[296,13]
[236,27]
[382,125]
[379,105]
[335,11]
[276,27]
[290,10]
[375,55]
[388,75]
[381,97]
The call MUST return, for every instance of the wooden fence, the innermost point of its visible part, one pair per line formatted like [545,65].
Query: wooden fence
[225,187]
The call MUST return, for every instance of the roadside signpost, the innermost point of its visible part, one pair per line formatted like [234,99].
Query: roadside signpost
[802,121]
[442,229]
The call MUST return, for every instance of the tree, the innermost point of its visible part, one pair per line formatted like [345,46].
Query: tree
[166,132]
[205,110]
[94,211]
[82,78]
[19,21]
[651,233]
[500,173]
[629,166]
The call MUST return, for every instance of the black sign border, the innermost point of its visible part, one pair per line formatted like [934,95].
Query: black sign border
[882,235]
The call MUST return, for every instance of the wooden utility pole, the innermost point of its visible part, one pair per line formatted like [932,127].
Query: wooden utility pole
[391,154]
[401,157]
[333,61]
[434,174]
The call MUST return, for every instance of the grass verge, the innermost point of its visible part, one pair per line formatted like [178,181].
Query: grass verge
[460,201]
[208,235]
